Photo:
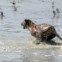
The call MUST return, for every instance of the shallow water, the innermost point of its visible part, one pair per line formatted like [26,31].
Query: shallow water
[16,44]
[33,55]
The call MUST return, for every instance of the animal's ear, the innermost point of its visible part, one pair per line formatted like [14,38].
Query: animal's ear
[26,20]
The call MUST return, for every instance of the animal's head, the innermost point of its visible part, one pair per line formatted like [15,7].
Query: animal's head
[26,23]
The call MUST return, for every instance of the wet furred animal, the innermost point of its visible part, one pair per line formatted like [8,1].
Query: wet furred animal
[43,32]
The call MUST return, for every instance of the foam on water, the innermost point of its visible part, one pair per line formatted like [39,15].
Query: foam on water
[18,45]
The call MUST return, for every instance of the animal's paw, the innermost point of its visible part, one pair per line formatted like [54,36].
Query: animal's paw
[37,42]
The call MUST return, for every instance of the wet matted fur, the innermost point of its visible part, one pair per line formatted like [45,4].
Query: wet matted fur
[42,32]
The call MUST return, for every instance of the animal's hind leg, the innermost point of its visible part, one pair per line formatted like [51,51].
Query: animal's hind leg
[51,36]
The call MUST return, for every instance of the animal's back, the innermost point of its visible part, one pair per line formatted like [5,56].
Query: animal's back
[43,27]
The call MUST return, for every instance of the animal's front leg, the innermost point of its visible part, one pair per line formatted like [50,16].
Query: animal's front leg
[38,40]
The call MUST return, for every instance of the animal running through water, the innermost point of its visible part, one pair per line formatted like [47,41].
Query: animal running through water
[42,32]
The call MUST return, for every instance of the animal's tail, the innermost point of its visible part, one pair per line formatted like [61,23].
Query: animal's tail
[58,36]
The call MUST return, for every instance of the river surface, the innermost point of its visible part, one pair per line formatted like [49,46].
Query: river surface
[16,44]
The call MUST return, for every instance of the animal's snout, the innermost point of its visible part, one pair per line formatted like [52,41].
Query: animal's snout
[22,23]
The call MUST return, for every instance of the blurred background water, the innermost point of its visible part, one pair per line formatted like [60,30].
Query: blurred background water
[12,35]
[40,11]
